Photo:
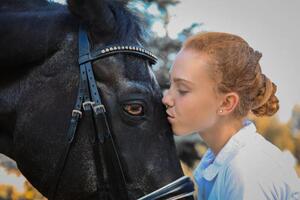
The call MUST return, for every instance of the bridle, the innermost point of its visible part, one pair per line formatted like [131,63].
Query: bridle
[89,105]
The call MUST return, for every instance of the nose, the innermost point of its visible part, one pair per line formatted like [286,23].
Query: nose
[167,99]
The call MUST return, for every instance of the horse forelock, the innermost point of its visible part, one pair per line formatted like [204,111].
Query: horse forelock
[129,26]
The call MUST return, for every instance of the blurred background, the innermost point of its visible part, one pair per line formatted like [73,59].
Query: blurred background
[269,26]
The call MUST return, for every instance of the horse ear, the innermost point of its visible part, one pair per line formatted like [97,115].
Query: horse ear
[96,13]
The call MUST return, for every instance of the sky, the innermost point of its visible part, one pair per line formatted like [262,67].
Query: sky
[269,26]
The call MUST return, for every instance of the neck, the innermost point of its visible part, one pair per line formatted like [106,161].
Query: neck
[218,135]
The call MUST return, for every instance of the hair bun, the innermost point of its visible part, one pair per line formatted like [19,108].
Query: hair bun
[266,103]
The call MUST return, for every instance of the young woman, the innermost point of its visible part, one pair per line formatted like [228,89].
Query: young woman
[216,80]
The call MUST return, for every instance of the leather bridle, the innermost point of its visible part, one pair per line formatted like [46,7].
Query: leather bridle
[89,105]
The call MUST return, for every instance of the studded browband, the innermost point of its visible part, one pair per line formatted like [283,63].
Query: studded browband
[109,50]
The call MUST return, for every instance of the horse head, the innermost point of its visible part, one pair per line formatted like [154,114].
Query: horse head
[39,90]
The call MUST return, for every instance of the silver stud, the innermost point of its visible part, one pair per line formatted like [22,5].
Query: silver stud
[115,48]
[102,51]
[111,49]
[107,50]
[119,47]
[122,47]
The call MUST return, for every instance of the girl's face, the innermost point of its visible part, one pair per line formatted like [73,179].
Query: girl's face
[191,101]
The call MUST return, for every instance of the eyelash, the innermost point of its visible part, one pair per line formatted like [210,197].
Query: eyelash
[181,92]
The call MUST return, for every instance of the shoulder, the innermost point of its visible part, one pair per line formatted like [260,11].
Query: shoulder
[262,157]
[258,171]
[259,160]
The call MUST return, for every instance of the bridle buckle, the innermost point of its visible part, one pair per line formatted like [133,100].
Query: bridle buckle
[87,103]
[76,113]
[99,108]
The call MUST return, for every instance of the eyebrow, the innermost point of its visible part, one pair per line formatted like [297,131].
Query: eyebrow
[181,80]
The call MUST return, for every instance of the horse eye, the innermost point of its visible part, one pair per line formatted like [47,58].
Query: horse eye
[134,109]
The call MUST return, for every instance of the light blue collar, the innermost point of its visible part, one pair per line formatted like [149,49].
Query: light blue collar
[238,140]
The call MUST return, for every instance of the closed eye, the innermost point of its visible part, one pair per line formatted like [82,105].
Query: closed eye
[182,92]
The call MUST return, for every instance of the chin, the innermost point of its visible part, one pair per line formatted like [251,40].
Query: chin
[181,132]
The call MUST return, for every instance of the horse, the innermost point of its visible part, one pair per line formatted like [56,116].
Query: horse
[40,81]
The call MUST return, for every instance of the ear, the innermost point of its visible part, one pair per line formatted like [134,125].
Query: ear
[96,13]
[229,103]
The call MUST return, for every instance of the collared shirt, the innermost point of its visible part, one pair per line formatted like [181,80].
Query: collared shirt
[248,167]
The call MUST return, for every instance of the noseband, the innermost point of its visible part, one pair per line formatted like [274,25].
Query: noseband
[89,105]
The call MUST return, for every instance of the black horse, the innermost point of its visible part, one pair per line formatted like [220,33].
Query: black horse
[39,83]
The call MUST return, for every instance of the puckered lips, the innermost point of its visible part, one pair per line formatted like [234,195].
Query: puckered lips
[170,116]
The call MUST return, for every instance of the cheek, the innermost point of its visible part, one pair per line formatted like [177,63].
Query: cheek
[206,105]
[196,106]
[195,113]
[184,105]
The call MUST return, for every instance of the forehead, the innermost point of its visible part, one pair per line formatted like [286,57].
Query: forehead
[137,69]
[138,74]
[190,65]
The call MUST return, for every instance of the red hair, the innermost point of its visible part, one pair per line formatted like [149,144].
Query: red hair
[235,68]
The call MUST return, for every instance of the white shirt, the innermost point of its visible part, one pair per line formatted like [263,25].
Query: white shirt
[248,167]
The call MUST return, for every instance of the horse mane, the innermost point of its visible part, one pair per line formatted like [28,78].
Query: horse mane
[25,5]
[130,25]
